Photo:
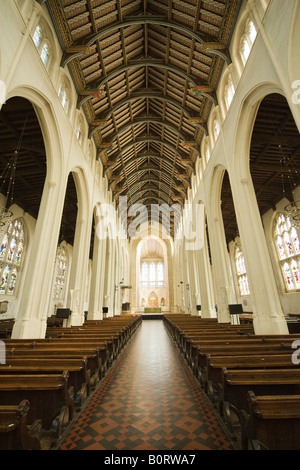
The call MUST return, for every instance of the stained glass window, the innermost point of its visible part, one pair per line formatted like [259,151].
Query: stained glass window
[4,279]
[11,256]
[41,44]
[288,251]
[45,53]
[241,272]
[37,37]
[60,273]
[4,247]
[12,282]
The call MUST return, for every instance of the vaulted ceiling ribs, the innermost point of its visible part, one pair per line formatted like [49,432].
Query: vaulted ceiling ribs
[146,73]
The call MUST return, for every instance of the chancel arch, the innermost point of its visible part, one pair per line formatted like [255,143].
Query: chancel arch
[152,258]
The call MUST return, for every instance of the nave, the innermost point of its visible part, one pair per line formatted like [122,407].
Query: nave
[149,400]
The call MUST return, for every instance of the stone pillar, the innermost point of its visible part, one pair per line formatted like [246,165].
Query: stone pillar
[221,266]
[32,318]
[205,282]
[268,317]
[192,283]
[79,268]
[96,292]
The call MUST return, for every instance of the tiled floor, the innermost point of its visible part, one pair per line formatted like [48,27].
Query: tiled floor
[148,401]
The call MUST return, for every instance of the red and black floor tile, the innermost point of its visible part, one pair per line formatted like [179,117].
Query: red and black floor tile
[148,401]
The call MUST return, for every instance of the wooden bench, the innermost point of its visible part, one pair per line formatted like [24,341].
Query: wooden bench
[6,327]
[236,384]
[79,375]
[200,353]
[48,394]
[212,374]
[94,362]
[106,349]
[15,433]
[273,423]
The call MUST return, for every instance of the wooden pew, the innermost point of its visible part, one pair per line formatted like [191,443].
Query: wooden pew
[48,394]
[236,384]
[200,353]
[212,374]
[106,348]
[15,434]
[6,327]
[199,350]
[94,362]
[79,376]
[273,423]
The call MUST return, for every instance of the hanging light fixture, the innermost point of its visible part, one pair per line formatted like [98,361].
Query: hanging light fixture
[7,181]
[290,181]
[293,212]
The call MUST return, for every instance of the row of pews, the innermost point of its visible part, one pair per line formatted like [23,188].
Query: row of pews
[252,380]
[44,382]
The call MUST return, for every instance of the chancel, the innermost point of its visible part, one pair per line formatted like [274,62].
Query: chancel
[149,225]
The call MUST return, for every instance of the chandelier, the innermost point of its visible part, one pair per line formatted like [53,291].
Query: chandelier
[293,211]
[7,189]
[290,182]
[7,185]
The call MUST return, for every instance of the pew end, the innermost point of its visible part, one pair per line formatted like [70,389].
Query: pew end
[15,432]
[273,423]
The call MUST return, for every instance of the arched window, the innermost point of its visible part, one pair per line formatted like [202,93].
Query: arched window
[216,128]
[288,250]
[45,53]
[42,44]
[247,40]
[144,276]
[60,273]
[241,272]
[11,257]
[37,37]
[160,274]
[63,96]
[229,92]
[79,133]
[152,274]
[206,152]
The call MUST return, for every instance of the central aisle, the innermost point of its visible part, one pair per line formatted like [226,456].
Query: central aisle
[148,401]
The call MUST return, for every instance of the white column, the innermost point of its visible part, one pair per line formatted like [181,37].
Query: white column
[221,266]
[96,293]
[32,318]
[205,282]
[192,282]
[79,268]
[268,317]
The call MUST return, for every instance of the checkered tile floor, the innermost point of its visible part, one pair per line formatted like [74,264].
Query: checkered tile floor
[148,401]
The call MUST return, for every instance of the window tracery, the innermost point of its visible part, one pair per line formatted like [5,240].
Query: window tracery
[11,257]
[60,273]
[229,91]
[152,273]
[42,44]
[288,251]
[241,272]
[247,40]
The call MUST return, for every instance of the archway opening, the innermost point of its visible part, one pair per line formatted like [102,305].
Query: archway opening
[20,131]
[152,275]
